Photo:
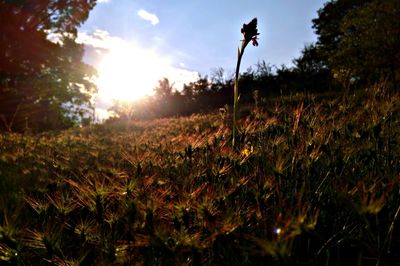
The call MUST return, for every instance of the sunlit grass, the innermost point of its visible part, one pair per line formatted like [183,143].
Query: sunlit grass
[313,182]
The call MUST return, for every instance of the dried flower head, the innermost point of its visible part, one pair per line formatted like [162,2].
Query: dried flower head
[250,32]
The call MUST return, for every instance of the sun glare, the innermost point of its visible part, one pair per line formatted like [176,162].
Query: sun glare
[129,73]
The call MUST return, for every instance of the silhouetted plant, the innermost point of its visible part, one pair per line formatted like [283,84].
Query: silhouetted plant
[250,33]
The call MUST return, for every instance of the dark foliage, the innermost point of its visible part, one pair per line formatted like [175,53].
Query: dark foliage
[360,41]
[43,84]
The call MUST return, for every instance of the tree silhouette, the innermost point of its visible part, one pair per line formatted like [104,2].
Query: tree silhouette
[360,40]
[311,71]
[43,84]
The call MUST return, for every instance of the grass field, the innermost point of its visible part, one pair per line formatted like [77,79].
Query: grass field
[314,181]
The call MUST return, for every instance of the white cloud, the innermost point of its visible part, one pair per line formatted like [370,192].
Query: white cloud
[152,18]
[180,76]
[57,37]
[99,39]
[103,1]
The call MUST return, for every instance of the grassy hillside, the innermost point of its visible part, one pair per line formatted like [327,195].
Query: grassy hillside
[315,181]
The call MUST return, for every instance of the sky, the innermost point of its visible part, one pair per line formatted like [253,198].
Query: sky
[188,38]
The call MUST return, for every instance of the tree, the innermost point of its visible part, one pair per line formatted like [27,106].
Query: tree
[164,90]
[371,38]
[123,110]
[217,78]
[312,72]
[167,100]
[43,84]
[360,40]
[327,24]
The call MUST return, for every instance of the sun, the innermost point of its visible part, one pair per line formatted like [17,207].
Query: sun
[129,73]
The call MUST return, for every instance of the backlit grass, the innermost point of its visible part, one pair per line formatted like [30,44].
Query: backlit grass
[313,181]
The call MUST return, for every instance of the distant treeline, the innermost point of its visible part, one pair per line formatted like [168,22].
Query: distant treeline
[46,86]
[216,91]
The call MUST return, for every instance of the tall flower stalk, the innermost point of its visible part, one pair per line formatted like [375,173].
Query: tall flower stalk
[250,33]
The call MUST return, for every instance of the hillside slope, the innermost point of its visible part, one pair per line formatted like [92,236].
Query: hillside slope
[313,181]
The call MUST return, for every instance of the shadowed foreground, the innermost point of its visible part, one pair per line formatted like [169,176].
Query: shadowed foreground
[314,182]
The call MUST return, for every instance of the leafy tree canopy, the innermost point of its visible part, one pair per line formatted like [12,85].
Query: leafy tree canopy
[43,82]
[360,40]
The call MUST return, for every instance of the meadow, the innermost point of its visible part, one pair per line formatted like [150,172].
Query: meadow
[313,181]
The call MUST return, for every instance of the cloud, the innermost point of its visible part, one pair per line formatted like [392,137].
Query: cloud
[152,18]
[103,1]
[56,37]
[100,42]
[180,76]
[99,39]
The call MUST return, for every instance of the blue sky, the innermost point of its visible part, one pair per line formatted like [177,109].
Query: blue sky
[134,44]
[202,35]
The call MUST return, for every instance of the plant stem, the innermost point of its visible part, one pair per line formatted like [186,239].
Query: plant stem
[236,94]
